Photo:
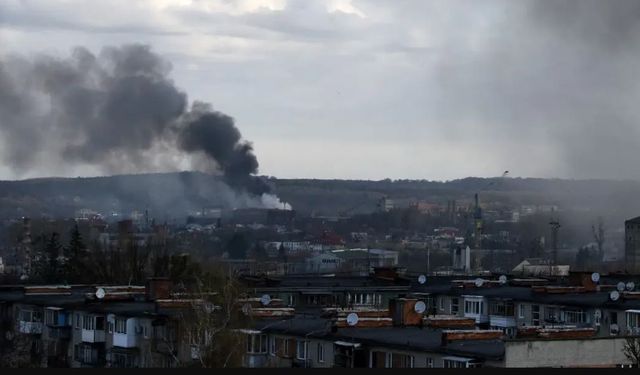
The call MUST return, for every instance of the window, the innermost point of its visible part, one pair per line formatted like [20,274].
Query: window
[535,315]
[121,326]
[398,360]
[501,308]
[301,349]
[286,351]
[51,317]
[521,311]
[145,331]
[30,316]
[575,316]
[613,317]
[442,303]
[110,325]
[257,344]
[320,352]
[551,315]
[89,323]
[78,323]
[633,322]
[429,363]
[473,307]
[449,363]
[273,346]
[454,306]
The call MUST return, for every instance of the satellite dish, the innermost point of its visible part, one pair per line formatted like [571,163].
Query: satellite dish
[352,319]
[420,307]
[620,286]
[614,295]
[595,277]
[631,286]
[100,293]
[479,282]
[265,299]
[422,279]
[502,279]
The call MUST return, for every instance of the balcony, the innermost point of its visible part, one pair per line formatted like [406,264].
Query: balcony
[125,340]
[30,328]
[502,321]
[92,336]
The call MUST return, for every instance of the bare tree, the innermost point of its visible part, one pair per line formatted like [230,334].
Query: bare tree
[208,328]
[631,350]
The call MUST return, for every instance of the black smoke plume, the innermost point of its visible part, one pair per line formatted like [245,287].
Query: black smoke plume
[118,112]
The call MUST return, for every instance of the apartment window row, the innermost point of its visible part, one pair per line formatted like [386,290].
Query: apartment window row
[364,299]
[452,363]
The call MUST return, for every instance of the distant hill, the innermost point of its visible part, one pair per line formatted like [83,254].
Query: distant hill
[173,195]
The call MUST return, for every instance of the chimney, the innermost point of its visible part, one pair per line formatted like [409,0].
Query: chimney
[158,288]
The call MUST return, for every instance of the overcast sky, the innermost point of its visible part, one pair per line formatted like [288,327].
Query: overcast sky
[382,89]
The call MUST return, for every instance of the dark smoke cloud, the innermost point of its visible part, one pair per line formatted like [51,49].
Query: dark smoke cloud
[116,111]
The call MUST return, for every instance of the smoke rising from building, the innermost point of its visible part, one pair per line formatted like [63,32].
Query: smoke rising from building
[116,112]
